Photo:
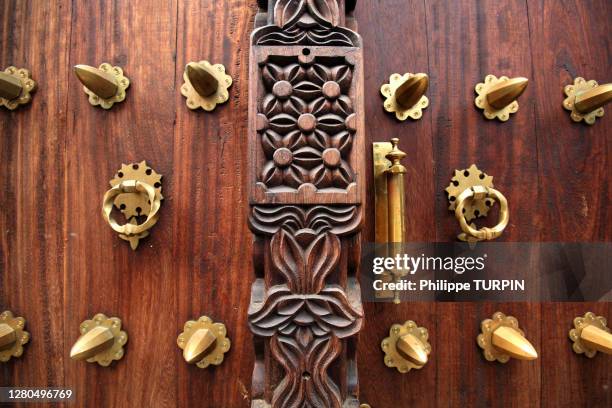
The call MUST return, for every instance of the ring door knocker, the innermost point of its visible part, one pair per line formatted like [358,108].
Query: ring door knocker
[136,191]
[471,195]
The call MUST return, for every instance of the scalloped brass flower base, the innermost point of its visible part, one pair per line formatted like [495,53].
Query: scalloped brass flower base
[461,181]
[590,335]
[101,341]
[144,199]
[470,195]
[497,96]
[105,85]
[406,347]
[405,95]
[204,342]
[16,85]
[501,338]
[205,85]
[585,99]
[12,336]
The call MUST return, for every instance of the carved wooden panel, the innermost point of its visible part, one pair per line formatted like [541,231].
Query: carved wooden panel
[306,185]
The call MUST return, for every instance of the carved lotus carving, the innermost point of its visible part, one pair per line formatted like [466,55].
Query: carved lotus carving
[306,13]
[306,316]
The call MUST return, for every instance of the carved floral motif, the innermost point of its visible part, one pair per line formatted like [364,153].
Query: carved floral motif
[305,303]
[306,22]
[306,123]
[305,316]
[306,13]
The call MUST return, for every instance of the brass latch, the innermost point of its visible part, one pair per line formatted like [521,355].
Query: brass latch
[390,224]
[389,191]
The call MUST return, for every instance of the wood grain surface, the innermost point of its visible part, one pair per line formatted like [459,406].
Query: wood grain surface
[60,264]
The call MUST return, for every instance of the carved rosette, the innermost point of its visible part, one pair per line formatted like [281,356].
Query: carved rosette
[306,143]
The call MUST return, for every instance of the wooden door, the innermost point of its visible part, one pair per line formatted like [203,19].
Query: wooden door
[61,264]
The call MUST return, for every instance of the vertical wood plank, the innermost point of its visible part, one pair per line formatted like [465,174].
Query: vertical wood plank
[102,273]
[394,34]
[571,39]
[212,250]
[467,41]
[32,198]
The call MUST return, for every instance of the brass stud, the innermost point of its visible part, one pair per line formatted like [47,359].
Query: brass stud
[405,95]
[205,85]
[101,341]
[497,97]
[585,99]
[501,338]
[105,85]
[204,342]
[12,336]
[16,85]
[406,347]
[591,334]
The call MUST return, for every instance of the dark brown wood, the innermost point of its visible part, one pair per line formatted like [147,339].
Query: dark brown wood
[211,241]
[59,262]
[102,273]
[306,138]
[32,200]
[457,44]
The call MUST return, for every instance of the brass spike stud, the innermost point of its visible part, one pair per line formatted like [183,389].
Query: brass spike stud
[16,85]
[585,99]
[501,338]
[105,85]
[205,85]
[12,336]
[101,341]
[405,95]
[204,342]
[591,334]
[498,96]
[406,347]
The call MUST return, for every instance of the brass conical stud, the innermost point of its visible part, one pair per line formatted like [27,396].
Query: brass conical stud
[497,96]
[591,334]
[105,85]
[101,341]
[205,85]
[12,336]
[204,342]
[16,84]
[406,347]
[405,95]
[501,338]
[585,99]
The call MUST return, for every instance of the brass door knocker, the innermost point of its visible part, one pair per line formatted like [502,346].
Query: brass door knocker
[471,195]
[136,191]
